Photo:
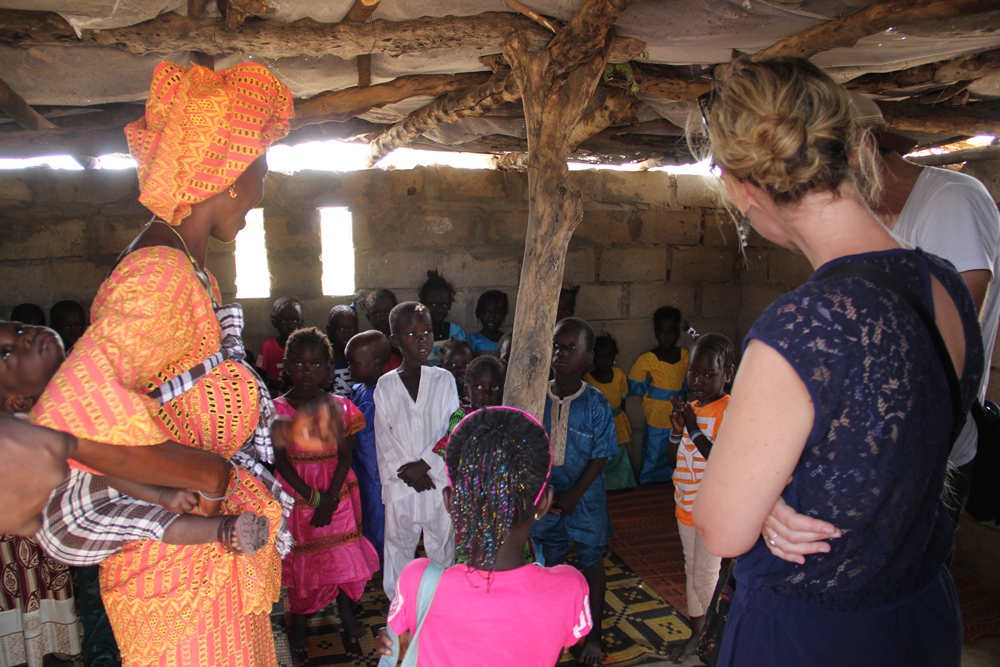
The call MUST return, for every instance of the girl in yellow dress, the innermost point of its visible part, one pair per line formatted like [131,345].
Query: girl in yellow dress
[611,381]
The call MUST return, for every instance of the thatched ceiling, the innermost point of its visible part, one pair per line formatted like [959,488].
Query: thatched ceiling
[429,73]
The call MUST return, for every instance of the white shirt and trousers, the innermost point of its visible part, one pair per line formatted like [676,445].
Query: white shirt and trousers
[952,215]
[406,431]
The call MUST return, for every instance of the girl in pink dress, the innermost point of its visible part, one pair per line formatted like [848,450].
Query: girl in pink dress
[331,560]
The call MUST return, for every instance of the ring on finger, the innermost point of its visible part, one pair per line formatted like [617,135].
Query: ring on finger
[771,539]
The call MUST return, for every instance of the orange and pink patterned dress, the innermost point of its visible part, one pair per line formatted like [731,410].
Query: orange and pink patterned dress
[337,556]
[172,606]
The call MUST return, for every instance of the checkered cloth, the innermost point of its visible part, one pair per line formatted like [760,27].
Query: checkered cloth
[86,521]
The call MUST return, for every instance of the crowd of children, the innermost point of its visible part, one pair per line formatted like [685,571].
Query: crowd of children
[416,403]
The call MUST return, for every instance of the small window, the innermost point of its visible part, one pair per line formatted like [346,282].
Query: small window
[337,236]
[253,280]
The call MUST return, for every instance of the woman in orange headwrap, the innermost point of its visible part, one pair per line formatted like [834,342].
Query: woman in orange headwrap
[200,153]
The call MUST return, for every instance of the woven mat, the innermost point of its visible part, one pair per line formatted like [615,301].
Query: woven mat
[638,625]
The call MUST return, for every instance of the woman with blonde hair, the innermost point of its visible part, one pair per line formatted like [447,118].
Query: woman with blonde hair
[843,406]
[157,390]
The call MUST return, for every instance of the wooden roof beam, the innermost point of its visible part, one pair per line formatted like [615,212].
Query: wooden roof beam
[875,18]
[970,120]
[340,105]
[473,101]
[169,33]
[20,111]
[964,68]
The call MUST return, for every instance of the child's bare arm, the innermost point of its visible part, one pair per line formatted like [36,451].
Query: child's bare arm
[565,502]
[178,501]
[290,475]
[331,497]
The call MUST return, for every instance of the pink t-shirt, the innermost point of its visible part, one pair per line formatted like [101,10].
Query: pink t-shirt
[271,358]
[525,617]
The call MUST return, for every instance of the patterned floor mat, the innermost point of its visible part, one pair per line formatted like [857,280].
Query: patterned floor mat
[638,625]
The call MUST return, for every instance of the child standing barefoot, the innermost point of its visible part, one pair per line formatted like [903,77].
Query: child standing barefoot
[611,382]
[331,560]
[438,295]
[341,326]
[579,422]
[495,608]
[691,437]
[491,311]
[659,376]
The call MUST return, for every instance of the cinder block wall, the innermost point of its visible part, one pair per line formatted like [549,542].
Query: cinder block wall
[647,239]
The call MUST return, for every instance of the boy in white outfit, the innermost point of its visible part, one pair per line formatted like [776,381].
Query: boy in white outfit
[412,408]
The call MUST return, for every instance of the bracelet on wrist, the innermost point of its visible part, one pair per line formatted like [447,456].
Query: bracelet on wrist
[695,433]
[316,499]
[231,490]
[675,437]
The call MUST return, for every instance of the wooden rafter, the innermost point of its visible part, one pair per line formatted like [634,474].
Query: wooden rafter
[957,157]
[339,105]
[875,18]
[964,68]
[20,111]
[169,33]
[609,107]
[473,101]
[556,85]
[970,120]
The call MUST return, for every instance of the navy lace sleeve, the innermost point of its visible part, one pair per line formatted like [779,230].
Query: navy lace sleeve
[875,462]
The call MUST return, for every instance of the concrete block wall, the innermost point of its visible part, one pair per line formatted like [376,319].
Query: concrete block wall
[647,239]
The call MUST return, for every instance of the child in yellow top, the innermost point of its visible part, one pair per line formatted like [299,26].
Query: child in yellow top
[693,431]
[658,376]
[611,381]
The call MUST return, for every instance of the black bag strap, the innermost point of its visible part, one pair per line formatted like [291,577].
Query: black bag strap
[879,277]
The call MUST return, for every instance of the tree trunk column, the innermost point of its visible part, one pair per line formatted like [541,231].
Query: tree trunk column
[554,101]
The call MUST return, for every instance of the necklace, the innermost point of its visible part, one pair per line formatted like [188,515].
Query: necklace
[198,271]
[187,252]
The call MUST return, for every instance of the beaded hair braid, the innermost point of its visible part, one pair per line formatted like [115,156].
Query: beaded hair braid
[498,459]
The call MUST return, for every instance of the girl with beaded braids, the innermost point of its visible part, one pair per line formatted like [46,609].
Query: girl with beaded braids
[841,404]
[498,462]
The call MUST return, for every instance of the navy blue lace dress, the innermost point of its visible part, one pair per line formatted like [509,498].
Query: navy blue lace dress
[874,465]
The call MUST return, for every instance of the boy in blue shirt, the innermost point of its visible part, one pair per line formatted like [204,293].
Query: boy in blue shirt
[581,428]
[366,354]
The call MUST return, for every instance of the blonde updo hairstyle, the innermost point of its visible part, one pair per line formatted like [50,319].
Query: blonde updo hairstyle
[785,126]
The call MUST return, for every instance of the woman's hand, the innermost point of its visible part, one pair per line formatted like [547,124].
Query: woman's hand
[791,536]
[33,460]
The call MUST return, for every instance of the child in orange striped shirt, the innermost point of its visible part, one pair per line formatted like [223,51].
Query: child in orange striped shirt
[693,431]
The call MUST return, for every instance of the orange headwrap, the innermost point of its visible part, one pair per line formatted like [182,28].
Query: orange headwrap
[202,129]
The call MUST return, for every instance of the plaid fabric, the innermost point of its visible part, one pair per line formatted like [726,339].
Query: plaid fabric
[87,521]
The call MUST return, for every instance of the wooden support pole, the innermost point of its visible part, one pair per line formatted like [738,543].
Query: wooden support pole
[556,86]
[360,11]
[963,68]
[20,111]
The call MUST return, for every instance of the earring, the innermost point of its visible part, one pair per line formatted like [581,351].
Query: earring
[537,517]
[232,192]
[743,229]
